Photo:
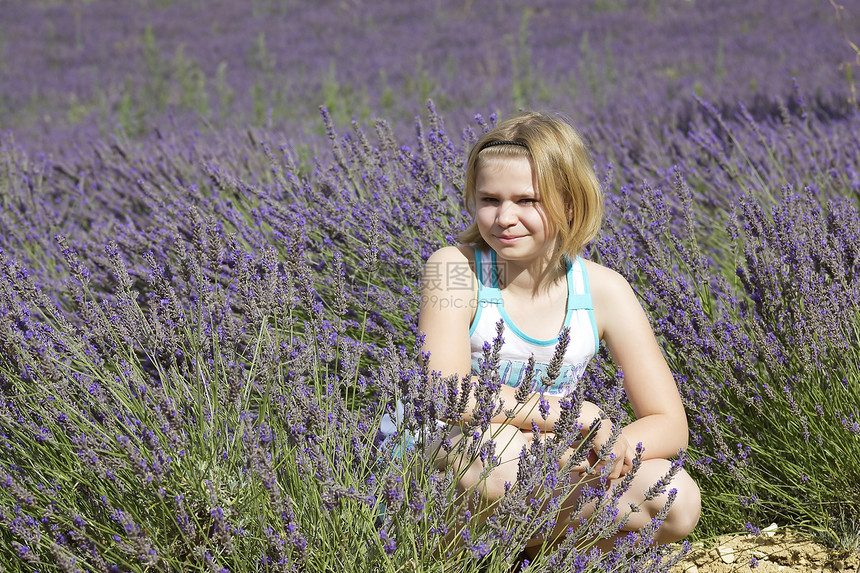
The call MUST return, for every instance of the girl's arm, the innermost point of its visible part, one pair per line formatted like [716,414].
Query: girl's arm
[445,311]
[527,413]
[661,423]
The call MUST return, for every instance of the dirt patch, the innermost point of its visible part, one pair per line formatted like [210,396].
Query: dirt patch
[777,551]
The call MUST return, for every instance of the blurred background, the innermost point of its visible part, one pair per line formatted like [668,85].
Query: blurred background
[71,71]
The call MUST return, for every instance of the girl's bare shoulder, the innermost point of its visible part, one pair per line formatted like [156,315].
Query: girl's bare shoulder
[614,299]
[603,280]
[449,291]
[451,270]
[453,254]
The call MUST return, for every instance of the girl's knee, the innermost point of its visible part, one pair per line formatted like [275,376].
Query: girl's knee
[492,483]
[683,514]
[685,510]
[490,486]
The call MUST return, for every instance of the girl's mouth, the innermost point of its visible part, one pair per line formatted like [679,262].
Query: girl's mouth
[508,240]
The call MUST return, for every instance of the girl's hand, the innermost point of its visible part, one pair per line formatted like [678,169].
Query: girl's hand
[619,458]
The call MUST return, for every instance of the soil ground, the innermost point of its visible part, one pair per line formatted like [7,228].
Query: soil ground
[779,551]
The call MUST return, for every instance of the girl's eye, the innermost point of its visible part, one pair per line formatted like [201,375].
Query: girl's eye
[488,199]
[528,201]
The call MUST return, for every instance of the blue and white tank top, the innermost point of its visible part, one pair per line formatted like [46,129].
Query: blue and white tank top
[518,346]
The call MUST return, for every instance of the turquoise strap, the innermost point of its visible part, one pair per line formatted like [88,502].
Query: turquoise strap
[481,293]
[583,300]
[489,295]
[580,302]
[591,307]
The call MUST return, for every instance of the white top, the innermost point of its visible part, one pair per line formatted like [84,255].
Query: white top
[517,346]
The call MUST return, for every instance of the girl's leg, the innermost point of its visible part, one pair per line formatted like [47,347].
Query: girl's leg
[682,517]
[469,470]
[684,512]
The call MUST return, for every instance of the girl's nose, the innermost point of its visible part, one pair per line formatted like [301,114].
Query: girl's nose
[507,214]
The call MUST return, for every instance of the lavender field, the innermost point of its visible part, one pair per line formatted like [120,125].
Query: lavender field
[213,220]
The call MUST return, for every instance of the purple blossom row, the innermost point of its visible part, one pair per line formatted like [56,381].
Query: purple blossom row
[201,327]
[75,71]
[212,330]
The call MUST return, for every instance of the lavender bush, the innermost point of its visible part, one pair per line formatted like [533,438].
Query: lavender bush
[224,359]
[203,404]
[747,261]
[203,320]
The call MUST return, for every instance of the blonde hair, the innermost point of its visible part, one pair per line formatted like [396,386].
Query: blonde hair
[562,172]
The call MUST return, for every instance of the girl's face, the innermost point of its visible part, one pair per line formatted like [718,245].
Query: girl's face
[509,214]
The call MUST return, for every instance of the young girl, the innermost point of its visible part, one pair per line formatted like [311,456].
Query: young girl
[536,203]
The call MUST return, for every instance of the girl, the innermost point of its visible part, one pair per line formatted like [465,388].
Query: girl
[536,203]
